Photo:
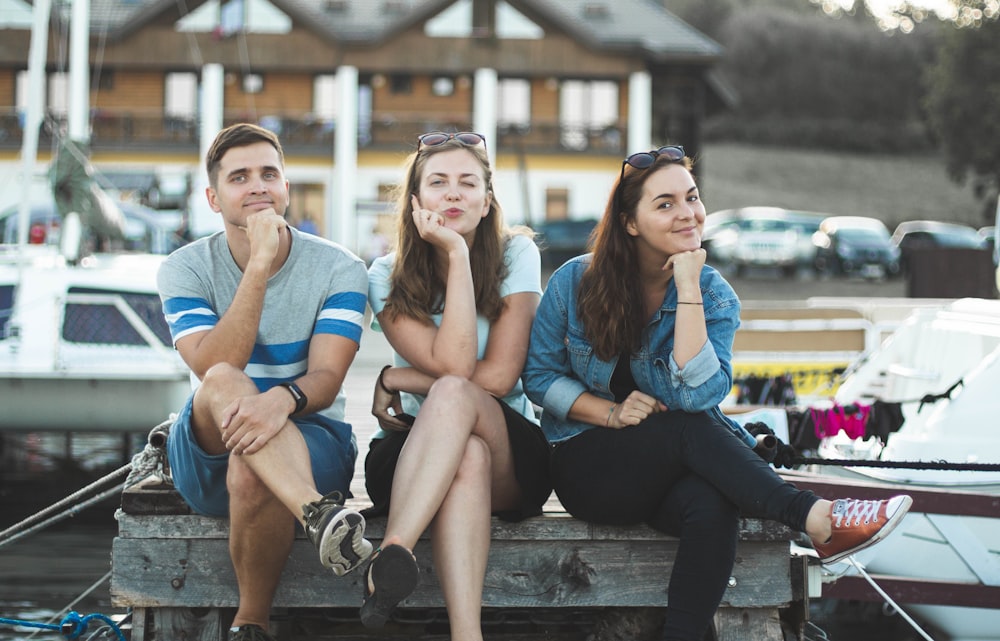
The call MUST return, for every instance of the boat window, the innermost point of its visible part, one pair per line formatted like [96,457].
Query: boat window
[6,309]
[101,322]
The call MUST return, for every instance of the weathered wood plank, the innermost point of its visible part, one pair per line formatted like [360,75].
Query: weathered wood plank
[197,573]
[734,624]
[550,526]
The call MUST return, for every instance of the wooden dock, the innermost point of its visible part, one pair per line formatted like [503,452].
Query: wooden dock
[172,568]
[550,577]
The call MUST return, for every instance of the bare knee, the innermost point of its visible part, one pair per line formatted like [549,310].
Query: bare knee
[452,389]
[221,384]
[222,377]
[245,487]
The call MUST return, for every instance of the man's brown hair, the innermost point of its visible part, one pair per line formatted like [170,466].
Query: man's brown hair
[239,135]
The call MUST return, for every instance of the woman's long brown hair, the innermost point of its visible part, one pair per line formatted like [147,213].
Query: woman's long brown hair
[610,299]
[417,286]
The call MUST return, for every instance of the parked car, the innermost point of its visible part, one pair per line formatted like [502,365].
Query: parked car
[918,234]
[855,246]
[560,240]
[769,237]
[146,230]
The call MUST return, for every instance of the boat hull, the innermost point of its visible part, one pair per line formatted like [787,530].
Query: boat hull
[89,404]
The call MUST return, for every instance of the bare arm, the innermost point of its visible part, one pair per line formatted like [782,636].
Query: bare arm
[233,337]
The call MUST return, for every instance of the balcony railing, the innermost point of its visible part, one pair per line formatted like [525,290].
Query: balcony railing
[120,130]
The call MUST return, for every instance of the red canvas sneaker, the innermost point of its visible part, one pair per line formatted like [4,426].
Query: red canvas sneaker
[859,524]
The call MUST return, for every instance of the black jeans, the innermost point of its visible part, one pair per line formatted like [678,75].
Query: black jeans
[684,475]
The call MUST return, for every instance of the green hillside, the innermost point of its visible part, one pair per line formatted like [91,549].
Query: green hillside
[891,188]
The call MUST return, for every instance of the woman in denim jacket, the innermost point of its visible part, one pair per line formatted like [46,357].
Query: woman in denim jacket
[630,356]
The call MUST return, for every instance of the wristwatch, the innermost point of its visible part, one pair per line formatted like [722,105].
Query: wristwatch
[297,394]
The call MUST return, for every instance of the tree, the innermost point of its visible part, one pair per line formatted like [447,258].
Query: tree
[963,96]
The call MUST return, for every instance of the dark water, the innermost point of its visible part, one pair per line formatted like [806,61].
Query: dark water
[45,573]
[60,567]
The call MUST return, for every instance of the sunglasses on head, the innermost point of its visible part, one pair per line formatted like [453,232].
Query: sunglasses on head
[435,138]
[645,160]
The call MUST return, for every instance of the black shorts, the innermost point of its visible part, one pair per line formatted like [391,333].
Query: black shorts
[528,447]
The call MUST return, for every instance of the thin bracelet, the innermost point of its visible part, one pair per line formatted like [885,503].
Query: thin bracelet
[381,383]
[611,410]
[686,302]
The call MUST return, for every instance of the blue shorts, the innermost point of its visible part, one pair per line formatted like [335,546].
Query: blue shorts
[200,478]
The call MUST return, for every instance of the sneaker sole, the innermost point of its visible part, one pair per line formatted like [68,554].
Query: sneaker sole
[890,525]
[395,575]
[343,546]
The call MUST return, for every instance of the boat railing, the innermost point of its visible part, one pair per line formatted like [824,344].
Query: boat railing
[124,328]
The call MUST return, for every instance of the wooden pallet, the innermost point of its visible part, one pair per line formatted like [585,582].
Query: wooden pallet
[172,568]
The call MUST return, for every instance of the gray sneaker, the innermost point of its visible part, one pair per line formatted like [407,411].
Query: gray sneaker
[338,533]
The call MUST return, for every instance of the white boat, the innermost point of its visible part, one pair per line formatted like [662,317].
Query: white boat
[928,354]
[84,347]
[83,342]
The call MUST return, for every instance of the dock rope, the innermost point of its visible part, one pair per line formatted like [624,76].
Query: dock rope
[888,599]
[73,625]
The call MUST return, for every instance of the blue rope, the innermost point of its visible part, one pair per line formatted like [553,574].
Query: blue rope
[73,626]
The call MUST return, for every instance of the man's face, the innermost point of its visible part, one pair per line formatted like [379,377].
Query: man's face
[251,179]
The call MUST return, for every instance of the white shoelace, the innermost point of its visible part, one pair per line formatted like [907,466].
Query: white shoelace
[847,509]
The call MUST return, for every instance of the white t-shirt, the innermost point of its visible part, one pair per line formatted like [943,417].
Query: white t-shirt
[524,274]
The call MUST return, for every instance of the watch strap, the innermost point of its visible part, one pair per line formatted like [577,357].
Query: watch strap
[297,394]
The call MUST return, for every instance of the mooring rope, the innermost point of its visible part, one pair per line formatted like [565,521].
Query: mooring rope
[73,625]
[912,465]
[888,599]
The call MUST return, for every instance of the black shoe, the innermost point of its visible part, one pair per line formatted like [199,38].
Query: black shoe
[391,577]
[337,532]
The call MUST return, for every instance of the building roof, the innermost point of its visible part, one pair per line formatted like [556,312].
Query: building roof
[641,26]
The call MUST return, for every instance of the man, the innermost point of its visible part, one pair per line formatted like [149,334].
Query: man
[269,320]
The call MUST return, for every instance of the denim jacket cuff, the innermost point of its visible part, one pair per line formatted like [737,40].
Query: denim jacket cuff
[561,395]
[698,370]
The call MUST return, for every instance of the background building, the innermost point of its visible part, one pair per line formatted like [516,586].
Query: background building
[562,90]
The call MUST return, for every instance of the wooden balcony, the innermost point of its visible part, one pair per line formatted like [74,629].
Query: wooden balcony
[304,134]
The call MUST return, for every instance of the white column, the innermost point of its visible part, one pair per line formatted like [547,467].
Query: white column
[202,220]
[33,111]
[484,107]
[640,112]
[342,219]
[78,120]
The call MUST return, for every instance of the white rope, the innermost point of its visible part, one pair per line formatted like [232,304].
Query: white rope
[888,599]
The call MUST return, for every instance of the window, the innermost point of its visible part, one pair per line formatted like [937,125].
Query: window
[401,83]
[326,95]
[514,102]
[102,323]
[181,95]
[6,309]
[58,93]
[586,107]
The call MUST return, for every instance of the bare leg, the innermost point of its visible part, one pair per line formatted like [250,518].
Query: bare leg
[818,525]
[266,489]
[460,535]
[261,534]
[462,430]
[454,410]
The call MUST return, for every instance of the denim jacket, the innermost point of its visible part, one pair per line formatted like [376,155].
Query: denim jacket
[562,365]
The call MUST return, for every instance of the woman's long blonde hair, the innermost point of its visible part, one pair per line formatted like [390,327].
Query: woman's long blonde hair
[417,285]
